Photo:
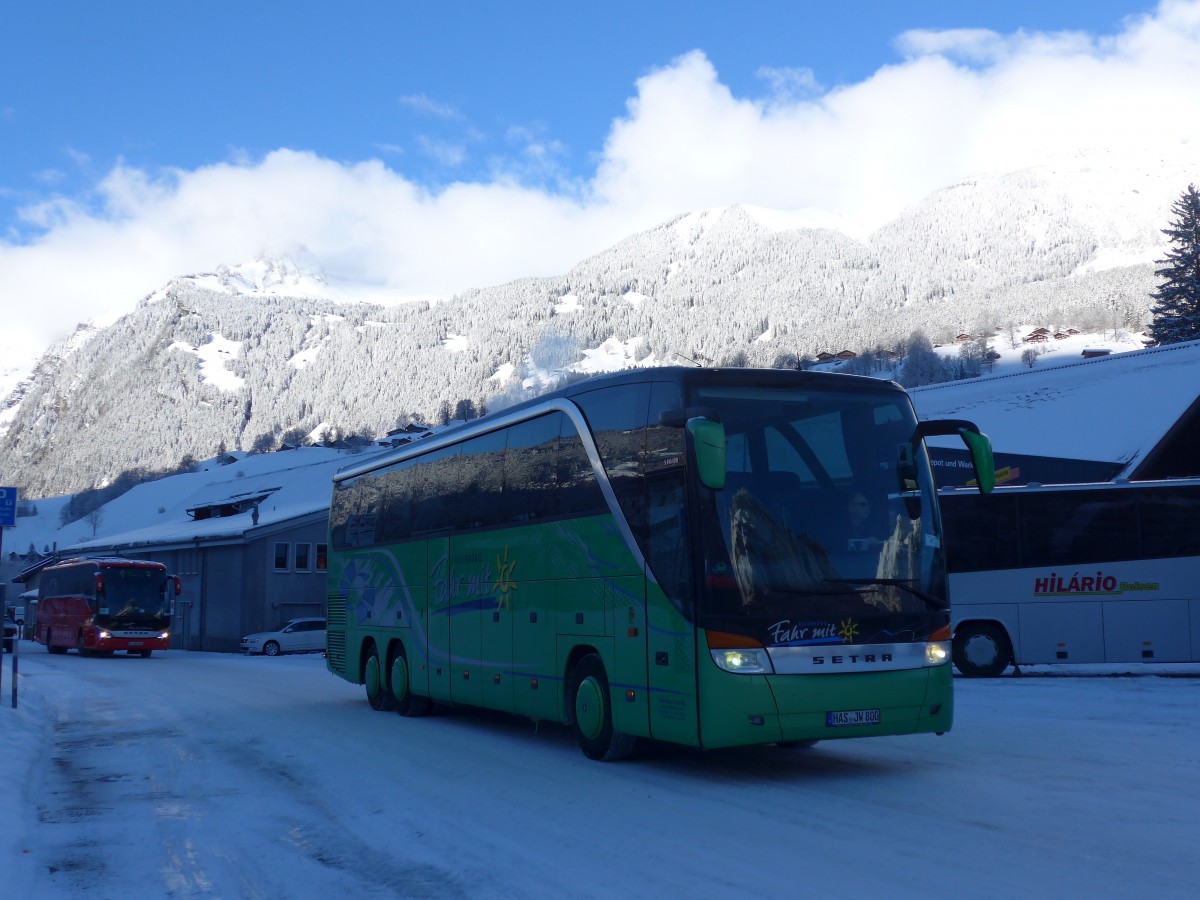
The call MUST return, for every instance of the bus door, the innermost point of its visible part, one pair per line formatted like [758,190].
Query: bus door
[671,665]
[467,592]
[437,650]
[626,597]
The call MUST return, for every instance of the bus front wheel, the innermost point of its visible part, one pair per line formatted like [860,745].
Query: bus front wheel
[592,713]
[407,703]
[981,649]
[378,694]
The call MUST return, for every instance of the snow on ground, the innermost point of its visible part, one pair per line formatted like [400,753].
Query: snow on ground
[199,774]
[455,343]
[611,356]
[214,357]
[503,373]
[567,303]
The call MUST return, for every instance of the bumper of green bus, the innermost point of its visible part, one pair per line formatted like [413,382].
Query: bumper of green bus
[738,709]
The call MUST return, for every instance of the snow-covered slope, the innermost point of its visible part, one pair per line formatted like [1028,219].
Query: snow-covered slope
[227,357]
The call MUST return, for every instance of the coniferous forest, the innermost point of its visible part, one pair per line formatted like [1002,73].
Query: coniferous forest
[708,288]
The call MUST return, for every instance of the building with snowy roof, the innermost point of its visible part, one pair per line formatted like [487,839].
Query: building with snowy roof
[1129,415]
[248,540]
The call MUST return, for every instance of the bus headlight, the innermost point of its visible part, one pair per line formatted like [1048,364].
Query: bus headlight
[103,635]
[747,661]
[165,635]
[937,653]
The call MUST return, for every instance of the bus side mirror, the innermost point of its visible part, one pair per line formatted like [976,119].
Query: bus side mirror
[708,441]
[178,584]
[979,445]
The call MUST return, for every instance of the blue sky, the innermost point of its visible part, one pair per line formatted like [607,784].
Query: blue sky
[419,149]
[440,91]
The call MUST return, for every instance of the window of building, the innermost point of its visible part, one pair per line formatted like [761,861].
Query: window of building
[302,557]
[322,558]
[282,557]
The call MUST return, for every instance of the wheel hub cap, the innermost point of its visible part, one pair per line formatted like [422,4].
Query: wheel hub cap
[589,709]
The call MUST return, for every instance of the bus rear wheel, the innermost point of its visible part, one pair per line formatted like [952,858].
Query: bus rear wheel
[400,685]
[592,713]
[981,649]
[375,682]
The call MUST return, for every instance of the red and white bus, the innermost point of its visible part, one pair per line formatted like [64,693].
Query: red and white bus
[102,605]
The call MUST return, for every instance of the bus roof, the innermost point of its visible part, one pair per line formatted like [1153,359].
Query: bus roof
[1034,487]
[684,376]
[108,562]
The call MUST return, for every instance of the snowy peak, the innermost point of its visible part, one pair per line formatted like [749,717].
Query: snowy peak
[296,275]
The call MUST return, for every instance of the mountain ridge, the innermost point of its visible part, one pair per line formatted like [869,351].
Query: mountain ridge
[713,286]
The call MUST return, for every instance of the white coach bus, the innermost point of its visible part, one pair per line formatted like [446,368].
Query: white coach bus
[1083,573]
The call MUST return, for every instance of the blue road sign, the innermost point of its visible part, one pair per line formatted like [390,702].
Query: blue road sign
[8,506]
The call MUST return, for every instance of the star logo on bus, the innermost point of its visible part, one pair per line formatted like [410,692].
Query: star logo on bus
[848,631]
[504,583]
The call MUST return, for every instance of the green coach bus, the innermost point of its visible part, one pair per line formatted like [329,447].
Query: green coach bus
[712,557]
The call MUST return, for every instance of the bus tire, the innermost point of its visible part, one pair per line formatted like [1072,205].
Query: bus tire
[981,649]
[591,709]
[375,681]
[145,654]
[407,703]
[83,651]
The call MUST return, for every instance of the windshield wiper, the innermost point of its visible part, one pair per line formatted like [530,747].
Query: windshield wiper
[904,585]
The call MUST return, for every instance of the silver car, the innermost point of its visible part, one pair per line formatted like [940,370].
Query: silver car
[293,636]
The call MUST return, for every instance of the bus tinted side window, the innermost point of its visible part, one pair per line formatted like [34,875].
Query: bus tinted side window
[1170,522]
[353,512]
[667,548]
[578,493]
[392,497]
[529,463]
[617,417]
[479,503]
[981,532]
[438,479]
[1077,527]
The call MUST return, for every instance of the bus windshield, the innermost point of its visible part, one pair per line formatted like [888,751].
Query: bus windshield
[134,594]
[828,508]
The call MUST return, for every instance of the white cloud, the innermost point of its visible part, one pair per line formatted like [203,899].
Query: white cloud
[423,104]
[789,83]
[957,104]
[446,153]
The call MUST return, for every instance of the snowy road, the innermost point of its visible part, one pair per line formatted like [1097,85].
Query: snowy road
[215,775]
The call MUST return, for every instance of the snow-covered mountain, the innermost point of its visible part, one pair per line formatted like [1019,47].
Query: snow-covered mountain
[241,356]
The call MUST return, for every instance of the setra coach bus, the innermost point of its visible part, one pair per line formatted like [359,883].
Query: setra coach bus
[101,605]
[663,553]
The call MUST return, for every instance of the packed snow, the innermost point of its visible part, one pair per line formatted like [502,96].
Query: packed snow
[201,774]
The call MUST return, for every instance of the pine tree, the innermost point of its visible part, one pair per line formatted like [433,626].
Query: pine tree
[1177,306]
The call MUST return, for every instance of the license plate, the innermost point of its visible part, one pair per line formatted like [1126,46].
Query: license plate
[135,643]
[852,717]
